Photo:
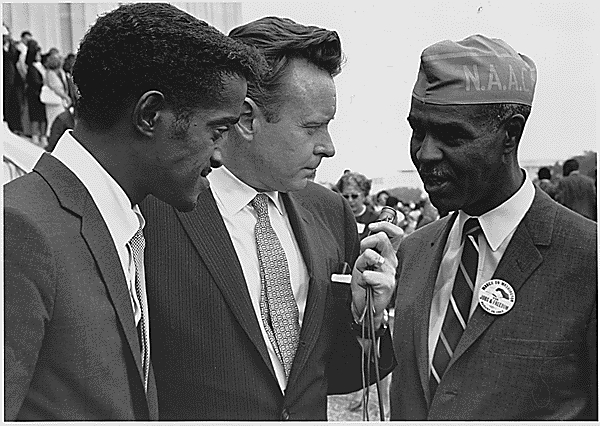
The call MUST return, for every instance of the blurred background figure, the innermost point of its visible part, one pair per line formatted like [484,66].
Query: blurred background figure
[56,80]
[68,63]
[35,81]
[380,200]
[428,213]
[355,188]
[544,181]
[11,81]
[577,191]
[21,84]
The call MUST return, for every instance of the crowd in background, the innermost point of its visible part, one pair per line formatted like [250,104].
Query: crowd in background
[573,190]
[38,104]
[38,90]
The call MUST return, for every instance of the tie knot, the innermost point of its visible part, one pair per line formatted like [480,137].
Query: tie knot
[137,242]
[471,227]
[260,204]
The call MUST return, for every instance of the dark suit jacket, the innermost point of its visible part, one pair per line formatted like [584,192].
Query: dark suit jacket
[71,347]
[210,359]
[536,362]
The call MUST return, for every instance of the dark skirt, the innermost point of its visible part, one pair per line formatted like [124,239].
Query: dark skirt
[37,110]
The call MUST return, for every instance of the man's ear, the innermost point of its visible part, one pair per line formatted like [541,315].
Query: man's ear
[249,121]
[514,130]
[146,112]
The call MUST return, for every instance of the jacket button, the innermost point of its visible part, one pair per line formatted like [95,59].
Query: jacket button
[285,415]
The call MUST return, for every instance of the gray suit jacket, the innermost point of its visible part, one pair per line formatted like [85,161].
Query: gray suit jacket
[536,362]
[71,350]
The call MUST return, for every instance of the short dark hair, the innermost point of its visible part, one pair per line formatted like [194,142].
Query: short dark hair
[392,201]
[570,166]
[154,46]
[544,173]
[496,114]
[282,40]
[25,33]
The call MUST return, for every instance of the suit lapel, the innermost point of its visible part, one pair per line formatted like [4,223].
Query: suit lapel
[306,234]
[208,234]
[432,255]
[75,197]
[521,258]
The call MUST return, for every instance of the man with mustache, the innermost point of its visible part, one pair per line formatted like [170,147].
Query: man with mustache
[227,348]
[496,311]
[157,89]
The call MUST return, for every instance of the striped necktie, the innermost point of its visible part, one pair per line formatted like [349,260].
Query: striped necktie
[278,307]
[137,245]
[459,305]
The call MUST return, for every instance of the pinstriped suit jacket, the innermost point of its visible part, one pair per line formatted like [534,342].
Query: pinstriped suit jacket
[536,362]
[209,356]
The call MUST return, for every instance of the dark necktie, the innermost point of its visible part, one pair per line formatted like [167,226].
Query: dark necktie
[278,307]
[459,305]
[137,245]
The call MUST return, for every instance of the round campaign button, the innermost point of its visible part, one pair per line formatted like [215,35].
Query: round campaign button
[496,297]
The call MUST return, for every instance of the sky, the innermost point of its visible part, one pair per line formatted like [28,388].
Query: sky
[382,42]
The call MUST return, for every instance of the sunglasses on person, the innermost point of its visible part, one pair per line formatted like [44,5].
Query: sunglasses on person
[349,196]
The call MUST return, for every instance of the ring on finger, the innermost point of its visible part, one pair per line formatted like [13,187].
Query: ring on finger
[380,261]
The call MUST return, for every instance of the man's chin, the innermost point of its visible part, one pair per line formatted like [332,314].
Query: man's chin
[443,203]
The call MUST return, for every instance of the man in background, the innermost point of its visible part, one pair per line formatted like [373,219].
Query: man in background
[496,312]
[577,191]
[158,88]
[11,83]
[251,322]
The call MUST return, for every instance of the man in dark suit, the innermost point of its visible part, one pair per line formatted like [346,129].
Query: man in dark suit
[158,87]
[496,312]
[216,353]
[576,191]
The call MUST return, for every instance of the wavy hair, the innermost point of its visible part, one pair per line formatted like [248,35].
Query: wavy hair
[282,40]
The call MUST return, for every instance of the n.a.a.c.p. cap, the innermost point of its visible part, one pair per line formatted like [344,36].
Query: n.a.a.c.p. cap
[476,70]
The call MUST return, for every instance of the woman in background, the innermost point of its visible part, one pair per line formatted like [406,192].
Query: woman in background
[35,81]
[355,188]
[56,80]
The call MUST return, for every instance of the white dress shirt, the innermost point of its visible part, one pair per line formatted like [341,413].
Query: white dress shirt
[498,226]
[120,217]
[233,199]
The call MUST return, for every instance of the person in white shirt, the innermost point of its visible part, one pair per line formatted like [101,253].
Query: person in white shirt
[158,89]
[224,351]
[496,310]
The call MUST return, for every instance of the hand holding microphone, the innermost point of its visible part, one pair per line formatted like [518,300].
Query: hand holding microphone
[376,266]
[373,284]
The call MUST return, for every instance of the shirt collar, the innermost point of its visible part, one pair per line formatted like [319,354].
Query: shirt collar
[499,223]
[114,205]
[234,194]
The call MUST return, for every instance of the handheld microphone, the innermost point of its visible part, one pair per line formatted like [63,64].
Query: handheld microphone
[387,214]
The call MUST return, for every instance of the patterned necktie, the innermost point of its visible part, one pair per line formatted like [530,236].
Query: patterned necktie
[459,305]
[278,307]
[137,245]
